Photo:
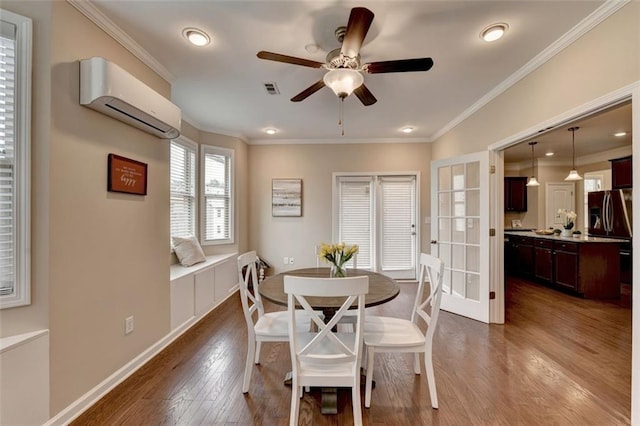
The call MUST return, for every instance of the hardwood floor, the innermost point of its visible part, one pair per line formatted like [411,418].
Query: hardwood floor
[559,360]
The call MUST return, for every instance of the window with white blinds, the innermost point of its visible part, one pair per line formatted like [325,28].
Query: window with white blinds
[15,107]
[217,195]
[378,212]
[355,216]
[183,187]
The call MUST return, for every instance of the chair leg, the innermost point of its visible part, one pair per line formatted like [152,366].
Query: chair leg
[258,346]
[428,365]
[416,362]
[369,378]
[355,401]
[248,368]
[296,394]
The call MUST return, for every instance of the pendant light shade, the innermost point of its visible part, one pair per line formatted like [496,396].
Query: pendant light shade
[532,180]
[573,174]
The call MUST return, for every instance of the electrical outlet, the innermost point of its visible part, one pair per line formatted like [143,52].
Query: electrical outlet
[291,259]
[285,260]
[128,325]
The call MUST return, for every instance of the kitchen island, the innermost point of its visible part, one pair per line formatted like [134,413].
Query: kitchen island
[587,266]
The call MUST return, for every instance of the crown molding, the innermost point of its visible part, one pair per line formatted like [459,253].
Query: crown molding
[107,25]
[586,25]
[342,141]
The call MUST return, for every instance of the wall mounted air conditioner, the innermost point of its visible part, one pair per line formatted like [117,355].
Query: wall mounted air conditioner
[107,88]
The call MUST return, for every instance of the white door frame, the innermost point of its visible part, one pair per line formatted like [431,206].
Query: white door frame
[496,306]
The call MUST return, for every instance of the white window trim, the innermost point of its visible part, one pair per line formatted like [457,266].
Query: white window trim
[204,148]
[22,287]
[188,143]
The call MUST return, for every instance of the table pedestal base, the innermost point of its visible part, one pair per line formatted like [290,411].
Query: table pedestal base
[329,396]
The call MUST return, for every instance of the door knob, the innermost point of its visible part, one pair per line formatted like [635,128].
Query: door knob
[434,242]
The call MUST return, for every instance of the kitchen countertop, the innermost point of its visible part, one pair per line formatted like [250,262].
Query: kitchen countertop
[583,239]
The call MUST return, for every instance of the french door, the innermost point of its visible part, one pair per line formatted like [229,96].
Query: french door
[378,212]
[460,232]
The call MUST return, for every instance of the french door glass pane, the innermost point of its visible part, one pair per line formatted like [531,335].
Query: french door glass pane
[444,178]
[473,286]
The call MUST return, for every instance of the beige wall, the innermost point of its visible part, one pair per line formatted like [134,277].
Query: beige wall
[109,252]
[603,60]
[276,237]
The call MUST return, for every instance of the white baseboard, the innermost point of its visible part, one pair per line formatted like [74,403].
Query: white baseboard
[79,406]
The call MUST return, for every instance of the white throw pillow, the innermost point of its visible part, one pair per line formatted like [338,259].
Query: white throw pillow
[188,250]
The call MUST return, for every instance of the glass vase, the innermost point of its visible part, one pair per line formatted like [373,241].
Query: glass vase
[338,271]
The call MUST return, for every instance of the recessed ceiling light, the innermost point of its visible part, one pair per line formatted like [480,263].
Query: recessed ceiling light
[549,154]
[196,37]
[406,129]
[620,134]
[270,131]
[493,32]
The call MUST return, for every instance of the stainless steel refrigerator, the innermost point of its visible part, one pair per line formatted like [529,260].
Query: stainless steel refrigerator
[610,215]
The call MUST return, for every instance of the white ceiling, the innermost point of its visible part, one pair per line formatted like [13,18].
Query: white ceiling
[220,87]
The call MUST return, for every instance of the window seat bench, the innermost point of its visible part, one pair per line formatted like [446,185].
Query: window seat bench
[197,290]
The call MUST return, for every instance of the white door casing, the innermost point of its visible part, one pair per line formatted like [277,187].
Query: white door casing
[460,232]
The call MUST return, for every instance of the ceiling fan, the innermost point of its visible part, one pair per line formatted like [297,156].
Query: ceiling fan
[345,75]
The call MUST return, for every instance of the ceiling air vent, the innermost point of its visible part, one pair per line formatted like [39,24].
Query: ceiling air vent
[271,88]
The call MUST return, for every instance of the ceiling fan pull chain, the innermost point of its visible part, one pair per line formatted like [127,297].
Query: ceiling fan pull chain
[341,118]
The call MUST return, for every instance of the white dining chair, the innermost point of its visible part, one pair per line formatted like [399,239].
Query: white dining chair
[261,326]
[325,358]
[386,334]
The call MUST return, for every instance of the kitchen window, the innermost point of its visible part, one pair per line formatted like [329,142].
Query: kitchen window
[217,195]
[15,160]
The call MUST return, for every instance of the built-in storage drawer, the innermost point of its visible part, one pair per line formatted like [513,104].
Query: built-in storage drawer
[566,246]
[543,243]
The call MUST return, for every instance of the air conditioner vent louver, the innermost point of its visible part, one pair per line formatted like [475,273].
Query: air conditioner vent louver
[109,89]
[271,88]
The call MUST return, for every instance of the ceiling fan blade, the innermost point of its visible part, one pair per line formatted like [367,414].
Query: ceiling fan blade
[402,65]
[359,22]
[308,91]
[365,96]
[270,56]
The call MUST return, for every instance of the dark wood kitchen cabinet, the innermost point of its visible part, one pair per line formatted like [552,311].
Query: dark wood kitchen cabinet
[515,194]
[566,265]
[587,268]
[543,259]
[621,173]
[519,256]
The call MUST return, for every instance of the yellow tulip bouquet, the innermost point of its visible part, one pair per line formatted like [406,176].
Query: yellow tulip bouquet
[337,255]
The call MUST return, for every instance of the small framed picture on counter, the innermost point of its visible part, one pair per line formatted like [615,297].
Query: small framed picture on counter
[516,223]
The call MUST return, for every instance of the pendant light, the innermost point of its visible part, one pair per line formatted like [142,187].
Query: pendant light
[532,180]
[573,174]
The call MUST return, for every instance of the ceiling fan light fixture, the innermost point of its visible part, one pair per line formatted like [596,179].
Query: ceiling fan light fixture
[343,81]
[196,37]
[494,32]
[573,173]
